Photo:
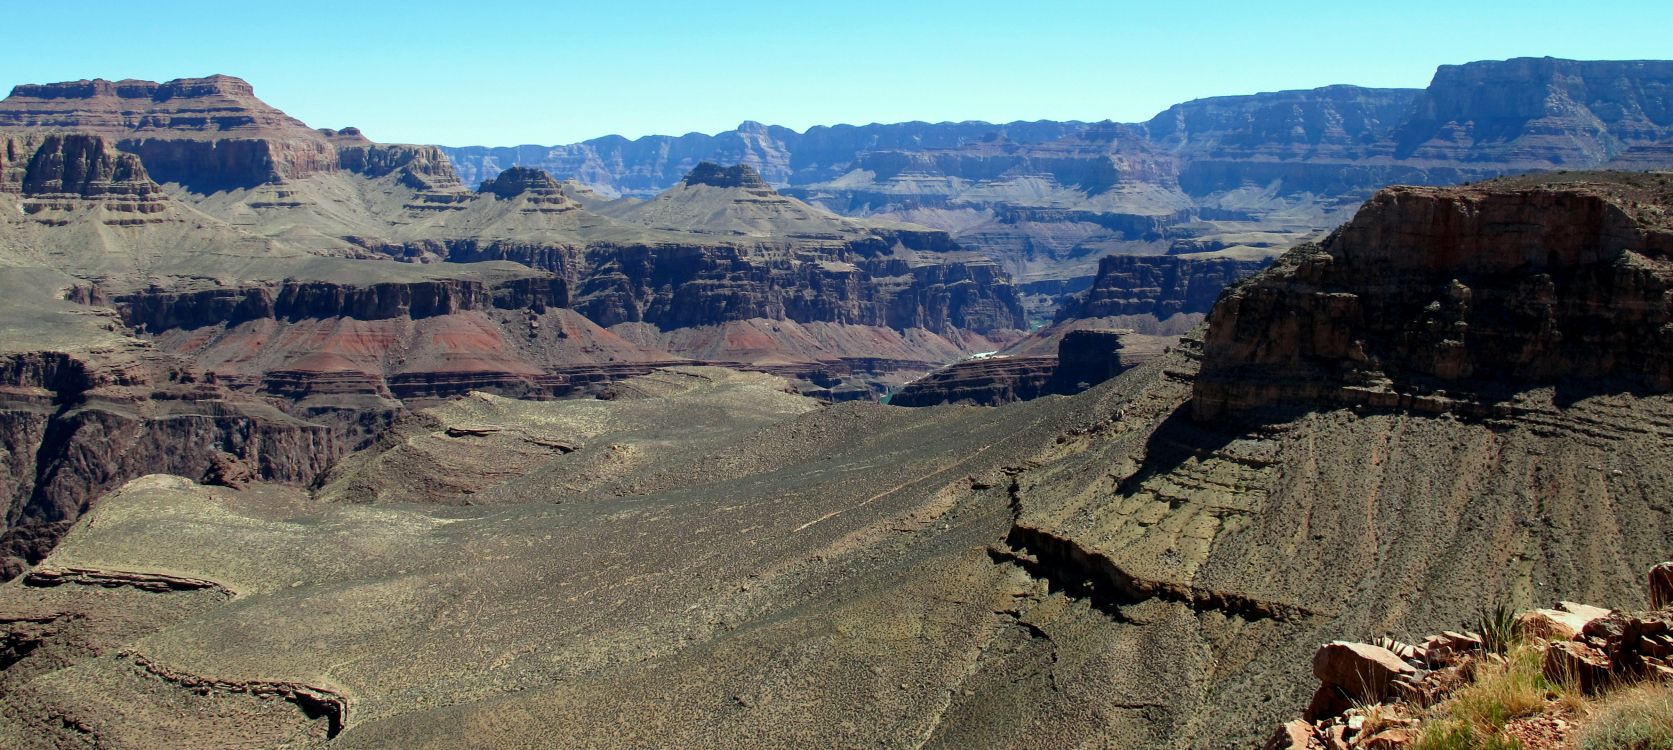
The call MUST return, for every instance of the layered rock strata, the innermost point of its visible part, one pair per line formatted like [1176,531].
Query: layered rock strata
[1448,299]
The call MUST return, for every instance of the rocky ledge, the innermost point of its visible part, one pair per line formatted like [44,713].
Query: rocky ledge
[1454,299]
[1158,285]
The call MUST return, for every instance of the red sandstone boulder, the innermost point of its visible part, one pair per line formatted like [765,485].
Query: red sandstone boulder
[1661,586]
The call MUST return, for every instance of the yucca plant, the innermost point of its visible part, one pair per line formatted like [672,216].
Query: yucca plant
[1497,626]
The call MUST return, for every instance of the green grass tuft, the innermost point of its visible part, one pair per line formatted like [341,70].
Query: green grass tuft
[1639,718]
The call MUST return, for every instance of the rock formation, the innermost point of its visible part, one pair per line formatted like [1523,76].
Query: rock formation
[1085,358]
[1385,696]
[1160,286]
[1447,299]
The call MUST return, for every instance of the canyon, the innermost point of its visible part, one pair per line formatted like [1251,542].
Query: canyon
[1048,199]
[288,292]
[701,556]
[307,442]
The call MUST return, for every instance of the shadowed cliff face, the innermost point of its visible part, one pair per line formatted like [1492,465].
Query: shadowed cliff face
[1448,299]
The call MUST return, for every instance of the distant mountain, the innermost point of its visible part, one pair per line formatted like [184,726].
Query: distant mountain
[1048,199]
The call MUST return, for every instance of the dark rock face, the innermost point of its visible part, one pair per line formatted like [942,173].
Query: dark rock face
[65,170]
[982,382]
[1445,299]
[520,180]
[1157,285]
[159,310]
[675,287]
[735,176]
[420,167]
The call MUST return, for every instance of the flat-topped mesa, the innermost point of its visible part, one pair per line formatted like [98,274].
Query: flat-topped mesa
[1455,299]
[535,184]
[735,176]
[207,134]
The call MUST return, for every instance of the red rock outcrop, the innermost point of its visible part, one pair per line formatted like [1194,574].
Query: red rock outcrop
[1444,299]
[206,133]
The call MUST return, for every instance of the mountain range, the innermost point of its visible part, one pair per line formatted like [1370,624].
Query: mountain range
[1257,172]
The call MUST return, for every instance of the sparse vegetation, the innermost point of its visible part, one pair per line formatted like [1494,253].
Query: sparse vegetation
[1497,626]
[1635,718]
[1503,689]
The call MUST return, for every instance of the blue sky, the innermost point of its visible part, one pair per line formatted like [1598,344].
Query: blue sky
[462,73]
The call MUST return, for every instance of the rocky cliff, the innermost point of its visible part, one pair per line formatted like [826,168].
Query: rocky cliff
[55,171]
[1540,113]
[211,134]
[1160,286]
[1447,299]
[76,423]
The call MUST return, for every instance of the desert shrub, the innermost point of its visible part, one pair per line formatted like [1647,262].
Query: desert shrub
[1502,692]
[1637,718]
[1497,626]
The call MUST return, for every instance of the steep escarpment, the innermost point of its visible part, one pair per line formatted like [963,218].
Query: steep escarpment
[207,133]
[1450,298]
[1160,286]
[76,424]
[56,171]
[1540,112]
[161,310]
[212,134]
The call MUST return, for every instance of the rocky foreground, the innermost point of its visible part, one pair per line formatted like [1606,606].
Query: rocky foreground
[1542,678]
[704,559]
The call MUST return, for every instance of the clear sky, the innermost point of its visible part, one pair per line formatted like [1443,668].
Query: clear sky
[462,72]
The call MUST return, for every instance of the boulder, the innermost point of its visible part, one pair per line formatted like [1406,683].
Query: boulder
[1389,739]
[1362,671]
[1555,624]
[228,470]
[1295,735]
[1576,664]
[1661,586]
